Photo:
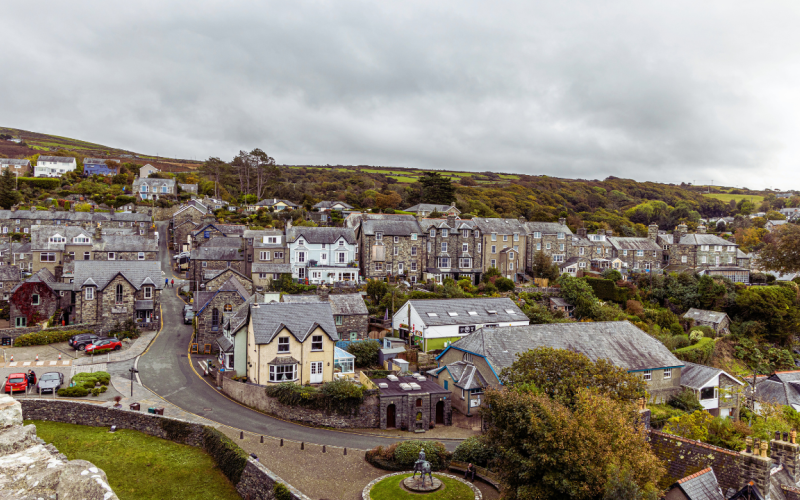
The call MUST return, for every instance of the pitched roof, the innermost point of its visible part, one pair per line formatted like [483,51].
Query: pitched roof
[347,304]
[226,229]
[626,243]
[57,159]
[13,161]
[547,227]
[97,161]
[460,224]
[317,235]
[464,374]
[696,376]
[153,181]
[301,299]
[43,275]
[124,243]
[391,227]
[101,272]
[781,388]
[232,285]
[299,319]
[331,204]
[260,267]
[355,219]
[274,201]
[701,485]
[430,207]
[214,273]
[234,322]
[219,249]
[713,317]
[40,236]
[436,312]
[499,226]
[698,239]
[191,188]
[619,342]
[9,273]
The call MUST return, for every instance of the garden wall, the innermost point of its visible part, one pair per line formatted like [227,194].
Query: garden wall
[14,333]
[254,396]
[257,481]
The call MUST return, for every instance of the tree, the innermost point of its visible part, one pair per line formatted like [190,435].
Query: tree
[782,250]
[544,267]
[437,189]
[611,274]
[561,374]
[214,169]
[366,352]
[376,289]
[690,425]
[775,307]
[579,294]
[9,196]
[548,451]
[390,200]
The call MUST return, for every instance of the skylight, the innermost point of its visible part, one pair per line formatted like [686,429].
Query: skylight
[452,313]
[433,315]
[511,311]
[473,313]
[492,312]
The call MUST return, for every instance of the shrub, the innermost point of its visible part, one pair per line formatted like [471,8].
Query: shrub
[504,285]
[40,182]
[230,458]
[366,352]
[103,388]
[73,392]
[103,377]
[339,396]
[45,337]
[686,400]
[407,453]
[660,414]
[96,391]
[281,492]
[473,450]
[176,430]
[695,336]
[699,353]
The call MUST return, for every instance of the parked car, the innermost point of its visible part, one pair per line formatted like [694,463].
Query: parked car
[17,382]
[50,381]
[80,341]
[104,345]
[182,255]
[188,314]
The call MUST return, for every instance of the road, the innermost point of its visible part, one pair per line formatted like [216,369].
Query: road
[165,369]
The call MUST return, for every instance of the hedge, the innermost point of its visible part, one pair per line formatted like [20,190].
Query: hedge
[608,290]
[230,458]
[41,182]
[73,392]
[699,353]
[89,380]
[402,455]
[176,430]
[340,396]
[473,450]
[45,337]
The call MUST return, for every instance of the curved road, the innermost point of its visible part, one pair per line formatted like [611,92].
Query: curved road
[165,369]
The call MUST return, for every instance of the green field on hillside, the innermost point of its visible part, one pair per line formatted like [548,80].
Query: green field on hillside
[139,466]
[756,199]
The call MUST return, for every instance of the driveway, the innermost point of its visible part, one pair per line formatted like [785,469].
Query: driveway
[165,369]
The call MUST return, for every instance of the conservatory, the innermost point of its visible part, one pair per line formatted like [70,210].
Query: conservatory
[343,364]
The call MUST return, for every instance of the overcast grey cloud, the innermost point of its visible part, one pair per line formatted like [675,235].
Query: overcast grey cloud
[666,91]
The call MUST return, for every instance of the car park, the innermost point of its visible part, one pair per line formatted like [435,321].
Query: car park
[50,381]
[16,382]
[80,341]
[104,345]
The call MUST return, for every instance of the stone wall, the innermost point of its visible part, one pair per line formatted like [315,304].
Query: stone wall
[355,323]
[257,481]
[389,265]
[20,302]
[206,333]
[15,333]
[255,397]
[98,255]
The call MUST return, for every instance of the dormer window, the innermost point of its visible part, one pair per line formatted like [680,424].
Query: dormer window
[433,233]
[80,239]
[57,239]
[378,236]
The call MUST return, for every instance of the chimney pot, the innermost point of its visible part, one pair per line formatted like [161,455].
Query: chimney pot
[763,449]
[777,435]
[749,443]
[793,436]
[786,436]
[562,221]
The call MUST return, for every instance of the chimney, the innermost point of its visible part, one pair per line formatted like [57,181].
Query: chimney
[323,292]
[522,219]
[601,232]
[33,207]
[111,210]
[609,233]
[701,229]
[679,233]
[98,232]
[451,220]
[14,208]
[582,232]
[652,232]
[787,453]
[562,221]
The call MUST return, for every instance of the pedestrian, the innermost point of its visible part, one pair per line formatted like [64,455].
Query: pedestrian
[470,472]
[173,283]
[166,282]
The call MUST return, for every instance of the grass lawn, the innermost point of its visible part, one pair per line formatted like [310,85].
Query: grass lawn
[390,489]
[403,179]
[756,199]
[139,466]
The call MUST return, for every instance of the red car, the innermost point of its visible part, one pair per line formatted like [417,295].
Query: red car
[17,382]
[103,345]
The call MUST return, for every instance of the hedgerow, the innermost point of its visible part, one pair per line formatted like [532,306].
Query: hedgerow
[45,337]
[230,458]
[340,396]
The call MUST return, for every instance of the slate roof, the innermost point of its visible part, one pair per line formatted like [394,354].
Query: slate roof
[101,272]
[391,227]
[301,299]
[427,224]
[43,275]
[318,235]
[9,273]
[696,376]
[194,205]
[499,226]
[347,304]
[394,389]
[464,374]
[430,207]
[274,201]
[224,344]
[701,485]
[626,243]
[300,319]
[619,342]
[154,181]
[213,273]
[781,388]
[355,219]
[226,229]
[13,161]
[712,317]
[259,267]
[697,239]
[546,227]
[231,285]
[220,249]
[57,159]
[330,204]
[73,217]
[462,307]
[40,236]
[241,314]
[124,243]
[559,302]
[257,234]
[97,161]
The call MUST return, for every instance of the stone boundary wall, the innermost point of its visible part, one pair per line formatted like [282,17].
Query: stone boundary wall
[684,457]
[255,397]
[15,333]
[257,481]
[162,214]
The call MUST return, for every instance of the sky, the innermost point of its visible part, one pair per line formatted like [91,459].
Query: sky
[664,91]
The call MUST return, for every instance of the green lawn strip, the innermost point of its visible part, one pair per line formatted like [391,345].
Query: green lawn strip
[403,179]
[139,466]
[390,489]
[756,199]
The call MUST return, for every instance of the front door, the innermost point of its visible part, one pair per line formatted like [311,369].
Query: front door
[316,372]
[440,413]
[390,420]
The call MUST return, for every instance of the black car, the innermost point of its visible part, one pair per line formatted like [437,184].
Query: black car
[80,341]
[50,381]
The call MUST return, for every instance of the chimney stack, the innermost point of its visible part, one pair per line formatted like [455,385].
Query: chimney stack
[582,232]
[601,232]
[323,292]
[451,221]
[701,229]
[562,221]
[678,234]
[609,233]
[14,208]
[652,232]
[98,232]
[91,209]
[522,219]
[52,208]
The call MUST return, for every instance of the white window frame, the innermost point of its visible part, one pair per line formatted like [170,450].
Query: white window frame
[284,347]
[89,293]
[647,375]
[141,255]
[667,373]
[112,256]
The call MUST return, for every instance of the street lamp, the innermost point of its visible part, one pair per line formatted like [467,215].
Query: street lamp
[132,370]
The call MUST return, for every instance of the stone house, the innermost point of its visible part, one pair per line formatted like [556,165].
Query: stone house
[552,238]
[619,342]
[215,254]
[154,188]
[265,273]
[699,250]
[111,292]
[504,246]
[20,168]
[10,276]
[215,278]
[232,342]
[21,221]
[266,246]
[291,343]
[720,393]
[452,249]
[413,404]
[437,323]
[772,225]
[350,314]
[37,298]
[425,209]
[213,230]
[185,221]
[51,246]
[322,254]
[181,235]
[391,247]
[464,378]
[21,256]
[636,254]
[719,321]
[210,308]
[124,247]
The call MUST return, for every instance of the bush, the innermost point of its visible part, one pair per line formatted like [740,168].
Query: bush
[686,400]
[176,430]
[73,392]
[695,336]
[96,391]
[504,285]
[660,414]
[407,453]
[699,353]
[40,182]
[103,388]
[45,337]
[473,450]
[281,492]
[366,352]
[230,458]
[103,377]
[340,396]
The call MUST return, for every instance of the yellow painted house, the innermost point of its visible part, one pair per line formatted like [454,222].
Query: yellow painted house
[291,343]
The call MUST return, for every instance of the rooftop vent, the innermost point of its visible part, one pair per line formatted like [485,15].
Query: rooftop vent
[383,385]
[393,378]
[491,312]
[473,313]
[415,386]
[433,315]
[405,387]
[510,311]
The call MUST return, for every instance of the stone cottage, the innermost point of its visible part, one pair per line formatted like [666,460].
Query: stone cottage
[37,298]
[719,321]
[413,404]
[214,255]
[211,308]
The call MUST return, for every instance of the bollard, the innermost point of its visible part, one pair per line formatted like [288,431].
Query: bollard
[241,434]
[345,451]
[323,448]
[281,441]
[303,445]
[262,439]
[37,357]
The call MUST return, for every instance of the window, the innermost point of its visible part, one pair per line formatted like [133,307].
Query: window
[683,259]
[316,343]
[397,239]
[35,299]
[445,233]
[413,266]
[413,236]
[444,262]
[494,236]
[148,292]
[580,251]
[429,247]
[479,248]
[214,318]
[47,257]
[477,234]
[444,246]
[647,374]
[582,264]
[538,246]
[510,266]
[395,250]
[624,253]
[717,248]
[282,373]
[262,276]
[465,233]
[494,248]
[339,320]
[21,321]
[464,247]
[640,253]
[505,237]
[301,257]
[278,255]
[111,256]
[205,264]
[283,344]
[547,246]
[708,393]
[419,402]
[668,373]
[494,263]
[119,295]
[323,256]
[703,259]
[141,255]
[89,293]
[80,239]
[378,236]
[413,251]
[510,255]
[464,263]
[560,236]
[341,257]
[379,266]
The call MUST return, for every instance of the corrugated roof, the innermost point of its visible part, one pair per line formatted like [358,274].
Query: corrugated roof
[443,309]
[300,319]
[619,342]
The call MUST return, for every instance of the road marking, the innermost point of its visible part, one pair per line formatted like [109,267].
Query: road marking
[26,363]
[40,363]
[13,363]
[53,363]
